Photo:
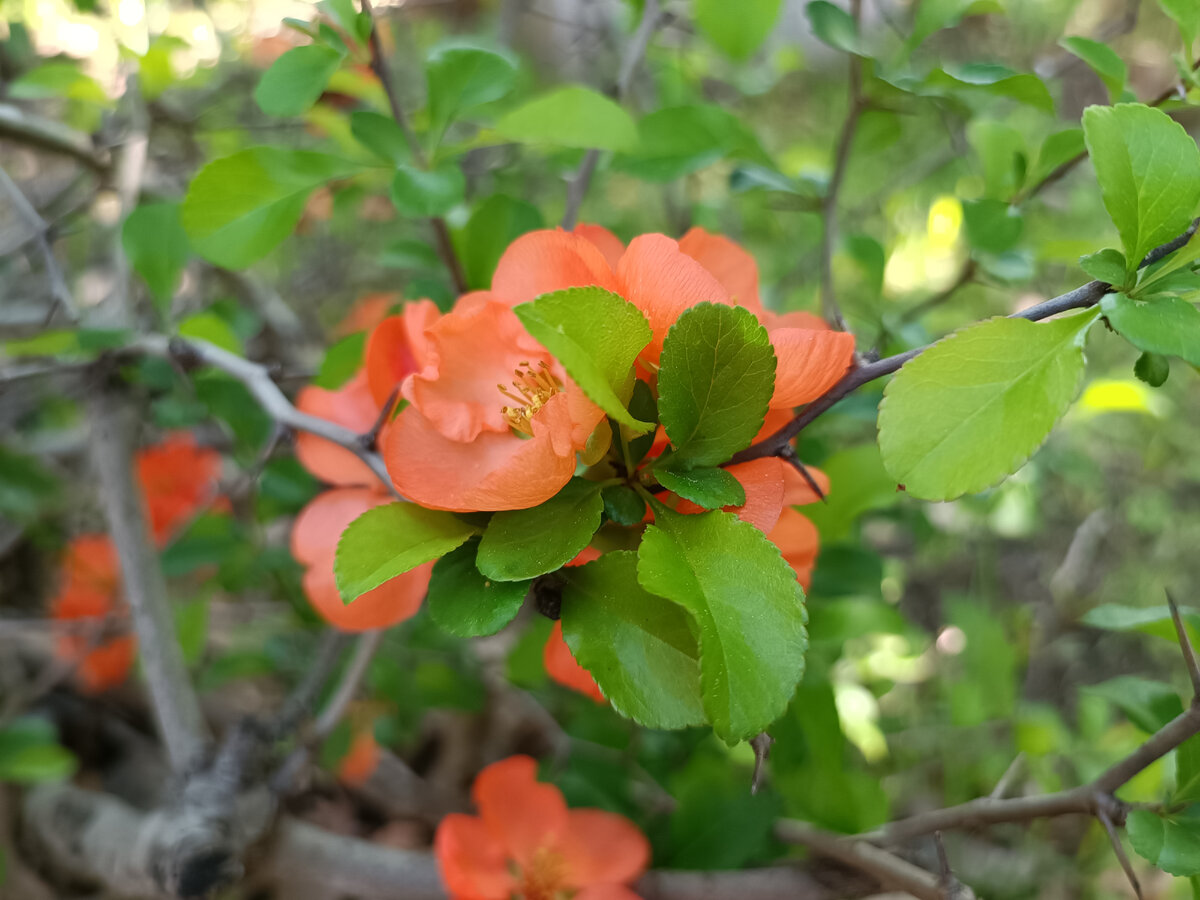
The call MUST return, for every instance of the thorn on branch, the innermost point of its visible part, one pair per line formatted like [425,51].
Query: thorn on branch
[788,455]
[1118,847]
[370,437]
[762,752]
[1185,644]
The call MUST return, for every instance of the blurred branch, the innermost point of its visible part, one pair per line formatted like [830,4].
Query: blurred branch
[441,234]
[577,187]
[841,160]
[891,871]
[191,351]
[176,709]
[1081,298]
[300,702]
[60,294]
[46,134]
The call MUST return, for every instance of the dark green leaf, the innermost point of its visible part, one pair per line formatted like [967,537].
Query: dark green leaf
[239,208]
[1149,173]
[974,406]
[380,134]
[597,336]
[715,380]
[710,488]
[1171,842]
[388,540]
[524,543]
[623,505]
[460,78]
[296,80]
[464,602]
[833,25]
[679,140]
[749,608]
[1165,325]
[26,487]
[572,116]
[1152,369]
[417,192]
[638,647]
[157,248]
[496,223]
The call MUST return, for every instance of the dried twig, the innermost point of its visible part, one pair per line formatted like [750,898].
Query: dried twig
[1118,847]
[59,292]
[1185,644]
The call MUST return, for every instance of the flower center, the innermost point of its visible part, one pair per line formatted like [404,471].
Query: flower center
[542,878]
[533,387]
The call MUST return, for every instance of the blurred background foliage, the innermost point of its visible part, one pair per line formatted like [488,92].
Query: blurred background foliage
[1023,627]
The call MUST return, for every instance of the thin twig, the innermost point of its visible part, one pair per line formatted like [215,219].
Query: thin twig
[47,134]
[60,294]
[1082,297]
[1118,848]
[577,187]
[1011,774]
[841,160]
[300,702]
[1185,644]
[370,438]
[441,233]
[356,670]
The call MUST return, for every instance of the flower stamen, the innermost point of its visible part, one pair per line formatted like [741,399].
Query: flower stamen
[533,388]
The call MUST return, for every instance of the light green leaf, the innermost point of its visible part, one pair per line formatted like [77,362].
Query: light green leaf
[934,15]
[1184,257]
[495,223]
[296,80]
[749,608]
[1103,60]
[1186,14]
[1171,842]
[524,543]
[464,602]
[157,248]
[833,26]
[1152,369]
[30,753]
[1147,704]
[208,326]
[1149,173]
[240,207]
[1058,148]
[973,407]
[1106,265]
[992,225]
[342,362]
[597,336]
[460,78]
[1001,149]
[380,134]
[387,541]
[571,116]
[679,140]
[737,29]
[1152,620]
[995,79]
[1165,325]
[715,380]
[710,488]
[638,647]
[417,192]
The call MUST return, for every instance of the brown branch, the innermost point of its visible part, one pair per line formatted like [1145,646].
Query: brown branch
[577,187]
[1185,644]
[889,870]
[60,294]
[352,678]
[176,709]
[441,233]
[841,161]
[46,134]
[1119,849]
[1082,297]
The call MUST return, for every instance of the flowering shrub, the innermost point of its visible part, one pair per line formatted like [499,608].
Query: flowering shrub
[525,843]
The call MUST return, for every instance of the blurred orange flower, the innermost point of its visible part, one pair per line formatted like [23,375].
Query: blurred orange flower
[525,843]
[361,759]
[561,666]
[178,478]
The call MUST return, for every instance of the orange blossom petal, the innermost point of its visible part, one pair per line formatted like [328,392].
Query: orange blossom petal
[728,262]
[396,348]
[543,261]
[602,848]
[351,406]
[520,812]
[561,665]
[798,541]
[472,863]
[810,363]
[606,242]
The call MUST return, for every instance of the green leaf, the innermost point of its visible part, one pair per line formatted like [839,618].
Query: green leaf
[638,647]
[1186,14]
[296,80]
[26,486]
[715,380]
[417,192]
[710,488]
[1148,704]
[1165,325]
[1149,173]
[342,362]
[1171,842]
[833,26]
[597,336]
[934,15]
[497,222]
[1187,772]
[209,327]
[994,79]
[1002,151]
[239,208]
[464,602]
[749,608]
[572,116]
[525,543]
[679,140]
[737,29]
[1103,60]
[975,406]
[157,248]
[1153,620]
[623,505]
[1106,265]
[30,753]
[460,78]
[1058,148]
[1152,369]
[387,541]
[380,134]
[992,225]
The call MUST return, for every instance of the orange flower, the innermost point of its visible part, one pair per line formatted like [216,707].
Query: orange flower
[561,666]
[178,479]
[88,589]
[350,405]
[526,844]
[361,760]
